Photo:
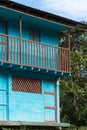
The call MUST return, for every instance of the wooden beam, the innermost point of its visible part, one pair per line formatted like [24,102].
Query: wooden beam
[20,33]
[37,124]
[20,26]
[69,40]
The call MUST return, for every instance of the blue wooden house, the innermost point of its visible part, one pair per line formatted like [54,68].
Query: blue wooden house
[31,64]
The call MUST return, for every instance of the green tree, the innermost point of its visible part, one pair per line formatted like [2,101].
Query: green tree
[74,94]
[74,88]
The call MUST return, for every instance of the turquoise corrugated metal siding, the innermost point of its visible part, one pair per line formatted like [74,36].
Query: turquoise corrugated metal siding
[3,31]
[49,100]
[46,37]
[25,106]
[25,31]
[31,105]
[3,97]
[49,37]
[2,27]
[13,28]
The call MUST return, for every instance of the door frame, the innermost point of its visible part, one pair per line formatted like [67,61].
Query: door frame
[55,100]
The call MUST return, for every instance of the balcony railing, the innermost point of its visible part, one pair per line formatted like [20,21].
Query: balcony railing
[31,53]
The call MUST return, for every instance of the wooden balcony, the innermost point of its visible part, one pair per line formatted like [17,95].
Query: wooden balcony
[34,54]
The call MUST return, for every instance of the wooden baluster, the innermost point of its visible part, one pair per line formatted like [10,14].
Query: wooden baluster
[60,59]
[14,50]
[69,60]
[66,60]
[63,59]
[2,47]
[60,65]
[44,56]
[21,51]
[34,53]
[52,59]
[8,49]
[47,58]
[27,53]
[39,57]
[69,36]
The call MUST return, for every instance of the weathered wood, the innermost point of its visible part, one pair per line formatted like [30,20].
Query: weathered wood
[29,55]
[41,124]
[69,40]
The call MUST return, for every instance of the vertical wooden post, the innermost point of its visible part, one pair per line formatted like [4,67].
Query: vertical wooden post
[20,26]
[8,48]
[69,40]
[14,50]
[9,79]
[69,51]
[20,34]
[58,101]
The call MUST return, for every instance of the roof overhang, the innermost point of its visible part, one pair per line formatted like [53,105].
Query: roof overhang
[41,14]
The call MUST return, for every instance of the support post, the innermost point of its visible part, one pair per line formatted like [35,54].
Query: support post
[20,34]
[69,40]
[69,36]
[20,26]
[7,96]
[58,100]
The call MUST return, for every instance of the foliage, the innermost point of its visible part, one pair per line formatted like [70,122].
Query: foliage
[78,39]
[74,88]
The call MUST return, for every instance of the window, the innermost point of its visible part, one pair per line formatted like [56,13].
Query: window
[23,84]
[35,34]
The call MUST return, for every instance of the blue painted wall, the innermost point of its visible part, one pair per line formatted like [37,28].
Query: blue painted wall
[13,28]
[30,106]
[22,106]
[47,35]
[3,96]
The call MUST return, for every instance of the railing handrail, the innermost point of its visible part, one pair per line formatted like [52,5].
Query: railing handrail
[28,40]
[64,48]
[59,56]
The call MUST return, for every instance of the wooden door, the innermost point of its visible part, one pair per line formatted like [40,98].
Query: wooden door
[49,101]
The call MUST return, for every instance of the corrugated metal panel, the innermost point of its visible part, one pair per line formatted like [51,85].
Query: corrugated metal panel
[23,84]
[49,101]
[3,97]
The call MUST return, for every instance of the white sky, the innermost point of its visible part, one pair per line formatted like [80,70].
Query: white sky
[73,9]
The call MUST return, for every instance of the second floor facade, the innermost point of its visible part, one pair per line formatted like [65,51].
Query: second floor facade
[32,41]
